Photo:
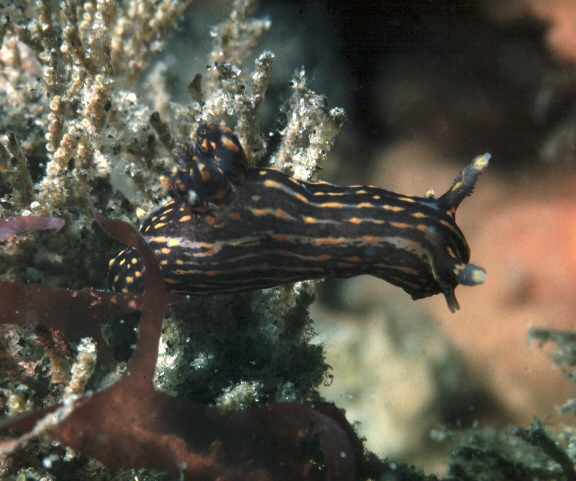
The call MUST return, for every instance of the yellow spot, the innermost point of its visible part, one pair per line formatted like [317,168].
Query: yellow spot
[122,262]
[160,224]
[173,242]
[393,208]
[263,172]
[422,227]
[164,262]
[294,181]
[407,199]
[116,278]
[281,237]
[399,225]
[134,260]
[183,272]
[280,213]
[165,250]
[138,274]
[228,144]
[255,198]
[365,204]
[446,224]
[271,183]
[260,212]
[310,220]
[331,204]
[412,244]
[355,220]
[451,252]
[129,279]
[329,240]
[185,218]
[410,270]
[300,197]
[418,215]
[458,268]
[159,239]
[376,197]
[371,239]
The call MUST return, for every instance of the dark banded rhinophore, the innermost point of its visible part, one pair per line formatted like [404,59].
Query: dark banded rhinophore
[261,228]
[212,168]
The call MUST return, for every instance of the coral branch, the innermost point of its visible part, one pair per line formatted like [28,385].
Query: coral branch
[138,34]
[237,35]
[536,436]
[25,192]
[309,133]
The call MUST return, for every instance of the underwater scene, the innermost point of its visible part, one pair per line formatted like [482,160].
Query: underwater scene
[280,241]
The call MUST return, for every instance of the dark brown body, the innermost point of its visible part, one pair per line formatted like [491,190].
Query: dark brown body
[277,229]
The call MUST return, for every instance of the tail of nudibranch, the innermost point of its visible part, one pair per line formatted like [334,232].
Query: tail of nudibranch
[465,274]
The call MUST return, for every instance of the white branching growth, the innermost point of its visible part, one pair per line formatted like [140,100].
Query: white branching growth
[310,131]
[89,128]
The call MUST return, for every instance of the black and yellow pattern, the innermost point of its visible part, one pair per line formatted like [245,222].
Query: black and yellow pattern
[271,229]
[212,168]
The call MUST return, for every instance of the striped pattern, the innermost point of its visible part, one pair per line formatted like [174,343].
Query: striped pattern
[277,229]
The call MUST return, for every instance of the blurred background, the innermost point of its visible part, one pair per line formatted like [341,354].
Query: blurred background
[427,86]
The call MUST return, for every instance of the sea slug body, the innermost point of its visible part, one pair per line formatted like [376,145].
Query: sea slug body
[232,228]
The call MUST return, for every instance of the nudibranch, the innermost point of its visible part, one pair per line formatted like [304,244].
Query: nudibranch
[233,228]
